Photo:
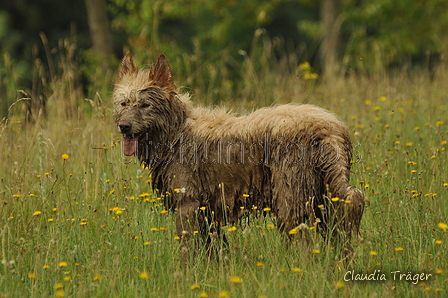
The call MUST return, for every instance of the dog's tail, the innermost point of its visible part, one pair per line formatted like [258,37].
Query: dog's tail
[345,204]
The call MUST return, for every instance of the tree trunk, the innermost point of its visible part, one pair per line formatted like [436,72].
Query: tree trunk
[100,31]
[329,13]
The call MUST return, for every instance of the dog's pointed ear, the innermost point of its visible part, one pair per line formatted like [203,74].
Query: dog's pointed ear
[161,74]
[126,66]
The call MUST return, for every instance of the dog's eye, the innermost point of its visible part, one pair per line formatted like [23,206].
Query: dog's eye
[145,105]
[123,104]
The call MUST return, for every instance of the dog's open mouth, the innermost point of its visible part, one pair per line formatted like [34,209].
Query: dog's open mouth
[130,144]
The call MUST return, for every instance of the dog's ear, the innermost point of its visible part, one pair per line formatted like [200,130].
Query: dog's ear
[126,66]
[161,74]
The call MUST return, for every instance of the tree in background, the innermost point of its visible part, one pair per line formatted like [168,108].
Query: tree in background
[331,24]
[100,31]
[355,35]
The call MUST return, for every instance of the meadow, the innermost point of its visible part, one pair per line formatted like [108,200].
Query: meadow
[78,219]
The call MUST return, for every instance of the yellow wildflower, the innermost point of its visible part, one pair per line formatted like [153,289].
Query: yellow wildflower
[32,275]
[143,275]
[236,279]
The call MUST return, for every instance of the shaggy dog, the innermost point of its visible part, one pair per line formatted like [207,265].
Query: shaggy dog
[293,160]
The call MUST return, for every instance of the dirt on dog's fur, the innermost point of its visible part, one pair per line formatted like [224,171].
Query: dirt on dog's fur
[292,159]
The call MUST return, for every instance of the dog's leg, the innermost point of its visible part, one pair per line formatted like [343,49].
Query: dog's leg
[186,222]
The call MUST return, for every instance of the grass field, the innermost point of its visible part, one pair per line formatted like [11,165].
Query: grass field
[79,220]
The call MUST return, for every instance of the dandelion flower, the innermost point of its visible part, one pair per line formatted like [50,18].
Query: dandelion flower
[339,284]
[316,251]
[143,275]
[373,253]
[32,275]
[245,195]
[334,199]
[438,271]
[438,242]
[223,294]
[399,249]
[236,279]
[16,196]
[60,293]
[267,209]
[292,231]
[37,213]
[46,267]
[203,294]
[96,278]
[59,285]
[203,208]
[164,212]
[231,229]
[296,269]
[64,156]
[305,66]
[442,226]
[260,264]
[63,264]
[270,226]
[195,286]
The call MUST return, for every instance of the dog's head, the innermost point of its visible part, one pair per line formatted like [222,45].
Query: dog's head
[138,97]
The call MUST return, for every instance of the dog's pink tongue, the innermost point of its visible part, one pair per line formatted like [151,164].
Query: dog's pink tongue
[129,145]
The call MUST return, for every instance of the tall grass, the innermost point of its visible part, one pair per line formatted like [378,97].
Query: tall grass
[80,220]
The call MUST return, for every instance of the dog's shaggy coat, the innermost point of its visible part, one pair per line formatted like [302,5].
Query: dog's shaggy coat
[292,159]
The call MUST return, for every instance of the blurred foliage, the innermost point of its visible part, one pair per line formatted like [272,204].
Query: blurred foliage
[209,41]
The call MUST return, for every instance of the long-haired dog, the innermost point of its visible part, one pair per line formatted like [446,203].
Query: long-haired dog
[293,160]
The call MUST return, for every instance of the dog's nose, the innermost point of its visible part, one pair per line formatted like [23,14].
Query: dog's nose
[125,126]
